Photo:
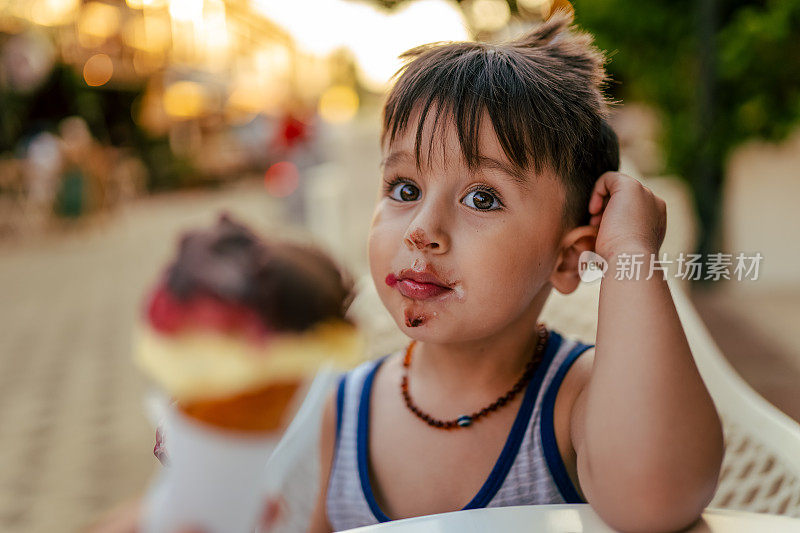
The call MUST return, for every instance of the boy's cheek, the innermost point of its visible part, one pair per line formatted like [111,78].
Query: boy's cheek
[384,215]
[377,215]
[380,257]
[383,244]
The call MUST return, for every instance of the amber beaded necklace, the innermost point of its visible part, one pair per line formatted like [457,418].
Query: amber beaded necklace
[467,420]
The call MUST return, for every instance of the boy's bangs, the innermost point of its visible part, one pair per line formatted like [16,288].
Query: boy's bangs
[462,96]
[541,92]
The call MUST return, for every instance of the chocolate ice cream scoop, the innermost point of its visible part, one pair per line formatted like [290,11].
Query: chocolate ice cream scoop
[292,287]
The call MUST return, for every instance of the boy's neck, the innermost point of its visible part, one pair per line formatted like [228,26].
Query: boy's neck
[489,364]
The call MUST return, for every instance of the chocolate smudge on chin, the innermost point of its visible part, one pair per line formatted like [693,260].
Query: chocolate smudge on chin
[414,321]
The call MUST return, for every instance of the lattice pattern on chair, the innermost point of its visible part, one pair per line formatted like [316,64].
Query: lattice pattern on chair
[761,467]
[753,478]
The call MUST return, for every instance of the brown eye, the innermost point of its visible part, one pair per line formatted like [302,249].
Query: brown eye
[482,200]
[406,192]
[409,193]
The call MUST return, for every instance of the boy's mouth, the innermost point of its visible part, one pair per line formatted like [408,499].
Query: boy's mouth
[418,285]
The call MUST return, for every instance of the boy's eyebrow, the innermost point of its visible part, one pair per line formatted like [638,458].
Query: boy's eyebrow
[512,171]
[395,158]
[483,162]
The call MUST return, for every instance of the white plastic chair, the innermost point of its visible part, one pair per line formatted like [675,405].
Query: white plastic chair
[761,468]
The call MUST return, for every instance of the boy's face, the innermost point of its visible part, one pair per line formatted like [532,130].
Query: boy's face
[491,241]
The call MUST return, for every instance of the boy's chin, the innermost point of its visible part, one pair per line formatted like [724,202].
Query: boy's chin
[424,327]
[415,318]
[427,334]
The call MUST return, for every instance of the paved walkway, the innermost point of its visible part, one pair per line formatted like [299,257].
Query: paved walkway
[73,437]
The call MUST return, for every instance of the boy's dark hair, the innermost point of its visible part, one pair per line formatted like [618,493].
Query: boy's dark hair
[542,92]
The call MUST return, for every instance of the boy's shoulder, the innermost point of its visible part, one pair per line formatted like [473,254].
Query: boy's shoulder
[579,368]
[387,362]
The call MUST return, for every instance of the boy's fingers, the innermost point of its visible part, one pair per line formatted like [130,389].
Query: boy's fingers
[601,190]
[605,186]
[594,202]
[597,205]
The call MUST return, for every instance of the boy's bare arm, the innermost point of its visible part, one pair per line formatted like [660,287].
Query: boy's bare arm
[646,433]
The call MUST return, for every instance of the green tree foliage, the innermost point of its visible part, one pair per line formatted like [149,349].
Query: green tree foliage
[720,72]
[759,71]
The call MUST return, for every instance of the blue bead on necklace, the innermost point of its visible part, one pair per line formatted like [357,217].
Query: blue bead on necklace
[464,421]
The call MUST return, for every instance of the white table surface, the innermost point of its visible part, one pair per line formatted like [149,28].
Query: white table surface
[570,518]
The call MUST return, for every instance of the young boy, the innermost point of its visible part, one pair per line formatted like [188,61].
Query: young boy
[499,171]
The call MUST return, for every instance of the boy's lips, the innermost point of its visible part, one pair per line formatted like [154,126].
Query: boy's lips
[418,285]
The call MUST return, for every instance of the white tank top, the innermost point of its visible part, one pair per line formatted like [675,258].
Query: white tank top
[529,470]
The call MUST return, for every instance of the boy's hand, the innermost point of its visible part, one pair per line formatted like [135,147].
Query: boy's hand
[629,217]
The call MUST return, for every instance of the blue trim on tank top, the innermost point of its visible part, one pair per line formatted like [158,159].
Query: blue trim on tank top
[339,406]
[507,455]
[553,458]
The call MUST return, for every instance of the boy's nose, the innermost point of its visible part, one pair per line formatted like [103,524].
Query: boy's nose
[428,228]
[420,239]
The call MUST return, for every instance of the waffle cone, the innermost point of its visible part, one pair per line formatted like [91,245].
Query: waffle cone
[261,410]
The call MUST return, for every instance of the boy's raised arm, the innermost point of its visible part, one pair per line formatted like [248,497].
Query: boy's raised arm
[648,438]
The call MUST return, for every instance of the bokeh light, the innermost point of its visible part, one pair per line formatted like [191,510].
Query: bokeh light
[26,60]
[151,33]
[184,99]
[186,10]
[533,5]
[98,70]
[52,12]
[489,15]
[281,179]
[338,104]
[98,21]
[145,63]
[140,4]
[216,37]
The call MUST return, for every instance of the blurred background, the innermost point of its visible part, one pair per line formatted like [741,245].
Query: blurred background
[124,122]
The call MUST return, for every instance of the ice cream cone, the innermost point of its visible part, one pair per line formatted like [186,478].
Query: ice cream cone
[232,332]
[261,410]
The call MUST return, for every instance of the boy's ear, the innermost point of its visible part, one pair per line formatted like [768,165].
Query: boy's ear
[566,276]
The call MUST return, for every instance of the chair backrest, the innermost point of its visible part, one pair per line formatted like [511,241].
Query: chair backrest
[761,468]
